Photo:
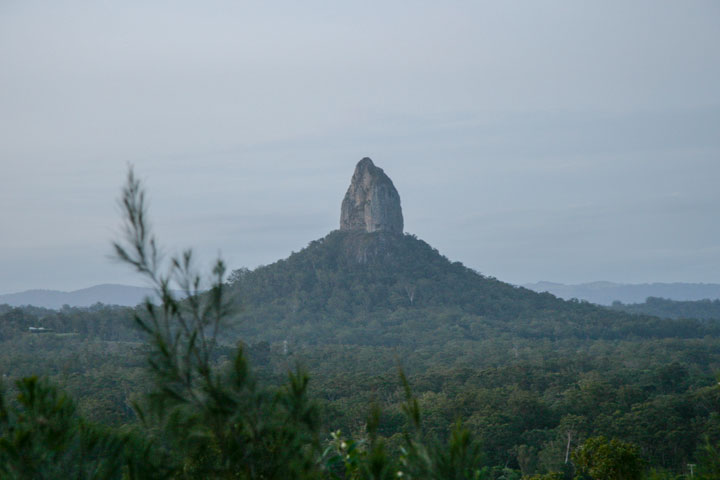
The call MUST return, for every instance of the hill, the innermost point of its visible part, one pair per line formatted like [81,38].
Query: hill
[108,294]
[605,293]
[389,289]
[665,308]
[523,368]
[369,284]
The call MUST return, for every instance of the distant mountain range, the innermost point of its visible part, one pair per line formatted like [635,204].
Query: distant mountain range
[109,294]
[605,293]
[602,293]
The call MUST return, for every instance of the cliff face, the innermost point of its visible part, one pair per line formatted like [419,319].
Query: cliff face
[371,204]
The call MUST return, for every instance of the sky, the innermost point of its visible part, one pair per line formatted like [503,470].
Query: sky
[531,140]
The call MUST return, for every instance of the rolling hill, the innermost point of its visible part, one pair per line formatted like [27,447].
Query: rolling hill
[108,294]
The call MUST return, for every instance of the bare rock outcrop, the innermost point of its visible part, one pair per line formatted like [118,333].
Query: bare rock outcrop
[371,204]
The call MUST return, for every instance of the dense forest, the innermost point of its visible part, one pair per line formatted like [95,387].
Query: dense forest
[416,367]
[666,308]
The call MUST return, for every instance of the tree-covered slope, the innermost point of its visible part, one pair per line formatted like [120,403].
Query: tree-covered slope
[526,370]
[662,307]
[388,289]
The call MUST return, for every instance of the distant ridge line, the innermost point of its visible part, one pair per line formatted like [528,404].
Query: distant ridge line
[605,293]
[108,294]
[599,292]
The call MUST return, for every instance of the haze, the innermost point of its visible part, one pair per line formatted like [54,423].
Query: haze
[566,141]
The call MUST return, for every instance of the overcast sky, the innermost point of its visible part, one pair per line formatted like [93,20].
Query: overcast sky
[539,140]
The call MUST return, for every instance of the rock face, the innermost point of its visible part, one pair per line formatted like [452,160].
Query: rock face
[371,204]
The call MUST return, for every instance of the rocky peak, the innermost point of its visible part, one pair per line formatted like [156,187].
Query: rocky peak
[372,203]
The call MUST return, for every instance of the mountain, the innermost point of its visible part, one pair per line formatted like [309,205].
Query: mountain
[369,284]
[108,294]
[605,293]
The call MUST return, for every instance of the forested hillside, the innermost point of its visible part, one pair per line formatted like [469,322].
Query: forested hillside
[524,368]
[384,289]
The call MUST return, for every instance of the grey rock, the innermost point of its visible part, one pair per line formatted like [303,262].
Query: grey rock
[371,204]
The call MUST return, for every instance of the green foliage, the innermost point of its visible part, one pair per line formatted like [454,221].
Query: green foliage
[710,461]
[601,459]
[109,323]
[208,422]
[42,436]
[366,458]
[675,309]
[459,460]
[546,476]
